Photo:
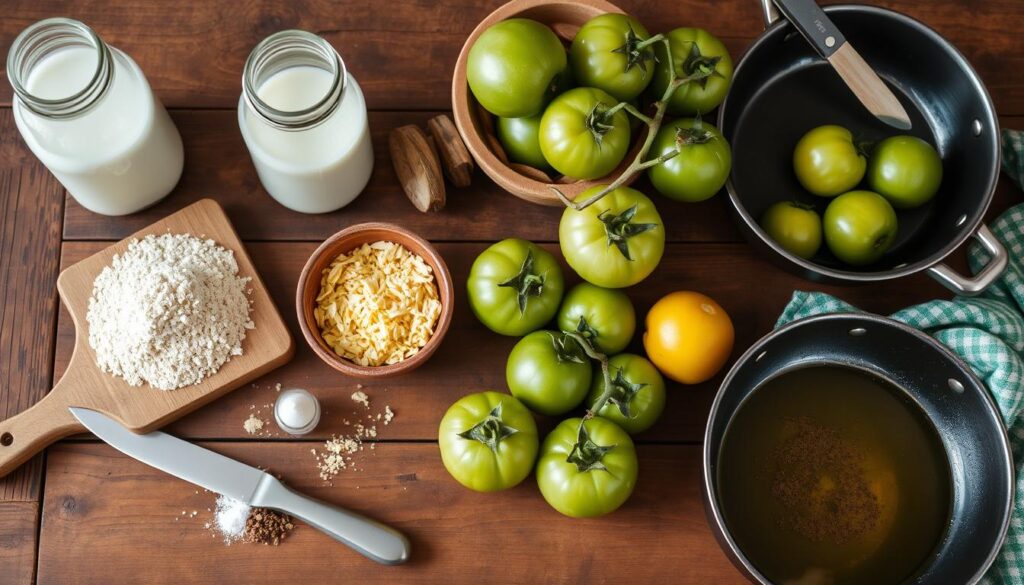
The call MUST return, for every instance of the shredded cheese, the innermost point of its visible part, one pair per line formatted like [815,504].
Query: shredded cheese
[378,304]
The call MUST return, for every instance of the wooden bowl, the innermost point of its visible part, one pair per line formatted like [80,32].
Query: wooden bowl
[476,125]
[344,241]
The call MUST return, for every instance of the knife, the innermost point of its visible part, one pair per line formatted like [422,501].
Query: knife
[829,42]
[237,480]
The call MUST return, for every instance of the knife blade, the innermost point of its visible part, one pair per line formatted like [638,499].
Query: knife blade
[234,479]
[829,42]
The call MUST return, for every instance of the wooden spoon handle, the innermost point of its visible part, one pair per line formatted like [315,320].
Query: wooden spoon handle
[30,431]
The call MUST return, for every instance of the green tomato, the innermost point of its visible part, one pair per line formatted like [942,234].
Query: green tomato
[638,395]
[701,167]
[578,137]
[515,287]
[520,137]
[794,226]
[695,52]
[515,66]
[604,55]
[587,469]
[488,441]
[860,226]
[827,162]
[616,242]
[604,316]
[548,372]
[905,170]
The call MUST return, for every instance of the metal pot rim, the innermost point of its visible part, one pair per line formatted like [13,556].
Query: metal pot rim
[908,268]
[707,481]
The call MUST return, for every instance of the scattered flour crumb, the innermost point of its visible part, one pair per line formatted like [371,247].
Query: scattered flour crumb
[253,424]
[361,397]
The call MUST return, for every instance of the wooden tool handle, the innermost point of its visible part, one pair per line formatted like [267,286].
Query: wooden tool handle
[30,431]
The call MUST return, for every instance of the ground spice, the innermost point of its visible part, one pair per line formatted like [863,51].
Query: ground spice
[819,481]
[267,527]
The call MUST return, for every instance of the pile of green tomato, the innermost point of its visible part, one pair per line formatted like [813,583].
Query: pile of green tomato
[568,111]
[860,225]
[586,466]
[565,112]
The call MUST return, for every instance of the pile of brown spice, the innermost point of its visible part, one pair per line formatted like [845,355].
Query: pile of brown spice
[265,526]
[819,480]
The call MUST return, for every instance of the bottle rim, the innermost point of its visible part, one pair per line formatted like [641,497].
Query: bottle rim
[283,50]
[40,40]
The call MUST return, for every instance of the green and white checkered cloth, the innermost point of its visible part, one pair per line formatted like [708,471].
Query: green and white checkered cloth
[988,333]
[1013,155]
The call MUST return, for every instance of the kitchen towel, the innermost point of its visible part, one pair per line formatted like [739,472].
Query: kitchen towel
[1013,155]
[987,331]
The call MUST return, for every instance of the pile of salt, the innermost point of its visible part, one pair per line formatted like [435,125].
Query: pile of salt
[231,517]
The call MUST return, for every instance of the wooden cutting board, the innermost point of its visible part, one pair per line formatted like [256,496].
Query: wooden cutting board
[142,408]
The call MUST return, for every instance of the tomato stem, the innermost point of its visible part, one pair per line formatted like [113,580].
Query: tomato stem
[588,348]
[653,125]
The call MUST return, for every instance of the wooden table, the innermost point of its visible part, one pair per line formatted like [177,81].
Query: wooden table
[83,513]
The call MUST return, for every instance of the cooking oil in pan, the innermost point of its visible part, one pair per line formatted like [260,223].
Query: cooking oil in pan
[830,476]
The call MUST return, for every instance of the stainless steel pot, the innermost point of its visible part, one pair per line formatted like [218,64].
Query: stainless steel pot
[951,396]
[781,88]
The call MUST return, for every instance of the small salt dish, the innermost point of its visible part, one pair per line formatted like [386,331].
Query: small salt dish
[296,411]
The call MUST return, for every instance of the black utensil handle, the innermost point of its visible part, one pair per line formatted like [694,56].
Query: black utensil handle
[812,22]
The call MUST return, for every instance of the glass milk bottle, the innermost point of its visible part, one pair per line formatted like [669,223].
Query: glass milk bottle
[87,112]
[303,118]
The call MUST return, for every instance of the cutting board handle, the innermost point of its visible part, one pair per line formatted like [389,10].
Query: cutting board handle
[32,430]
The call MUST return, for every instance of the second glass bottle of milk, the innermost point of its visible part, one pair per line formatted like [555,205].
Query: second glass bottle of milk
[304,121]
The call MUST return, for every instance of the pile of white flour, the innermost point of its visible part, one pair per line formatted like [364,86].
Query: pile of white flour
[169,311]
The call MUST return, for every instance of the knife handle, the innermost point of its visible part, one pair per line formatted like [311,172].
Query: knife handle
[814,24]
[368,537]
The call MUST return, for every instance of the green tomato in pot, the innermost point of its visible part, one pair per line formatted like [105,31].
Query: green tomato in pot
[860,226]
[699,55]
[827,162]
[515,67]
[579,138]
[794,226]
[905,170]
[515,287]
[616,242]
[548,372]
[638,393]
[520,137]
[604,54]
[604,316]
[701,167]
[587,468]
[488,441]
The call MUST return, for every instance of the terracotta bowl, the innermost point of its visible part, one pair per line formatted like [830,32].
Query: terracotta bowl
[476,125]
[343,241]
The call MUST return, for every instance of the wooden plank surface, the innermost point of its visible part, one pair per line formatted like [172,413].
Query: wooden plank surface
[472,358]
[31,205]
[110,519]
[219,166]
[107,519]
[403,55]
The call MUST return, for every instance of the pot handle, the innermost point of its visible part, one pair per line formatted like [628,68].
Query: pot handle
[770,13]
[971,286]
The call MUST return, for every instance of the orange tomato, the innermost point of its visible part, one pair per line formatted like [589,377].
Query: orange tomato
[689,336]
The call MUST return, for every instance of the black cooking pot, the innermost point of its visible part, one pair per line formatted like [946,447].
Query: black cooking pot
[951,396]
[781,89]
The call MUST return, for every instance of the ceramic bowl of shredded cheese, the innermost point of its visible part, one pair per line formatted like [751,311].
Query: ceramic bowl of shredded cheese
[374,300]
